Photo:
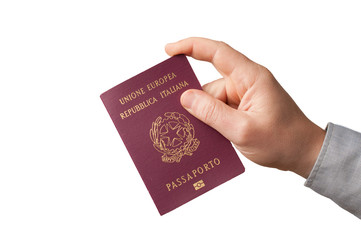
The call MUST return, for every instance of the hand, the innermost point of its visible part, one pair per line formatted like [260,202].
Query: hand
[250,108]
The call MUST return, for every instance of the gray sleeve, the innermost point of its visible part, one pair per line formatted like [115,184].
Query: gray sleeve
[337,171]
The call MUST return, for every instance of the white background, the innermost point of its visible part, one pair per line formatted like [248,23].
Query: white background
[64,171]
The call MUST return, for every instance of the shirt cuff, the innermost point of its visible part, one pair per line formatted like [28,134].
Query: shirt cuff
[337,171]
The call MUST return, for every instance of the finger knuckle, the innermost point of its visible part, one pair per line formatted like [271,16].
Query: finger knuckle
[210,113]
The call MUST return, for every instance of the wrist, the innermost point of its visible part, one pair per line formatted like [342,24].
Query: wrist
[312,141]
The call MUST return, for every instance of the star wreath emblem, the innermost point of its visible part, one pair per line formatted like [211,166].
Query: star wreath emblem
[173,135]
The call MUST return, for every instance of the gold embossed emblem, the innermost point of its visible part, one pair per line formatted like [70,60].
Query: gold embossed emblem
[173,135]
[198,185]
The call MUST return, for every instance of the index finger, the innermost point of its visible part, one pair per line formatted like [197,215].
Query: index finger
[224,58]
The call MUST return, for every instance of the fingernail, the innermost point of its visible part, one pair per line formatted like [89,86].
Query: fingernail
[187,99]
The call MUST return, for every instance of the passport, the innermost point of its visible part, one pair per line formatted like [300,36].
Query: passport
[177,156]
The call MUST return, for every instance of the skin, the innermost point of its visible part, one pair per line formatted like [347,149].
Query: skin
[251,109]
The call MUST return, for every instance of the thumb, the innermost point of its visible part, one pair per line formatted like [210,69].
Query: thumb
[213,112]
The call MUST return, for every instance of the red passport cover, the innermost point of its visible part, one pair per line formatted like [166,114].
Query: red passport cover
[178,156]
